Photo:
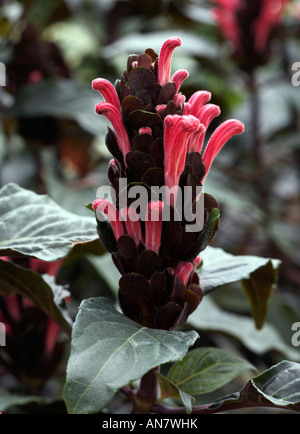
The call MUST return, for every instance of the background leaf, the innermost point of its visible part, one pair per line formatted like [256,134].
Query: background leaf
[259,289]
[277,387]
[209,317]
[35,226]
[206,369]
[41,290]
[169,390]
[124,352]
[65,99]
[220,268]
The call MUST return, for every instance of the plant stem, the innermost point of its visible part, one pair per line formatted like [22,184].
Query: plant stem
[146,394]
[257,142]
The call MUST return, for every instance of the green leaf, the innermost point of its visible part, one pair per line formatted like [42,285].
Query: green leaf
[109,351]
[258,276]
[259,289]
[278,387]
[209,230]
[33,225]
[41,290]
[60,98]
[206,369]
[220,268]
[8,400]
[209,317]
[169,390]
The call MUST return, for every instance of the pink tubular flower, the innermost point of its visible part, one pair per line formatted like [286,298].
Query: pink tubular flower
[133,224]
[154,226]
[225,15]
[196,140]
[114,116]
[183,271]
[107,90]
[271,14]
[206,115]
[196,262]
[103,206]
[248,26]
[221,136]
[178,130]
[196,102]
[165,56]
[179,77]
[52,332]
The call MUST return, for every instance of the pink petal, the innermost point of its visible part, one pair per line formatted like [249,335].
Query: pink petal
[52,333]
[177,131]
[164,61]
[219,138]
[133,224]
[179,77]
[103,206]
[197,101]
[207,114]
[114,116]
[196,140]
[183,271]
[107,90]
[153,226]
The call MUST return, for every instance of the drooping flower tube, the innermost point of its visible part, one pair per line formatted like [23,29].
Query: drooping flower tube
[160,148]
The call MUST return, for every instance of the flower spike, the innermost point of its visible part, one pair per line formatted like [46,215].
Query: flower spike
[164,61]
[221,136]
[103,206]
[114,116]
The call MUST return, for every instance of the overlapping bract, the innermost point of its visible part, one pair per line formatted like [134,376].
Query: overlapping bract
[158,141]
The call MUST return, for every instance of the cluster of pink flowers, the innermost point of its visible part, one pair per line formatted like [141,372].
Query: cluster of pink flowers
[158,139]
[248,25]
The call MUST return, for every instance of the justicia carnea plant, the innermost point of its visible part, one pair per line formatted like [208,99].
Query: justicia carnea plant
[159,140]
[249,26]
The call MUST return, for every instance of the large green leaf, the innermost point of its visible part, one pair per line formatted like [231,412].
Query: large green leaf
[60,98]
[206,369]
[220,268]
[277,387]
[109,351]
[259,288]
[41,290]
[208,316]
[35,226]
[8,400]
[258,276]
